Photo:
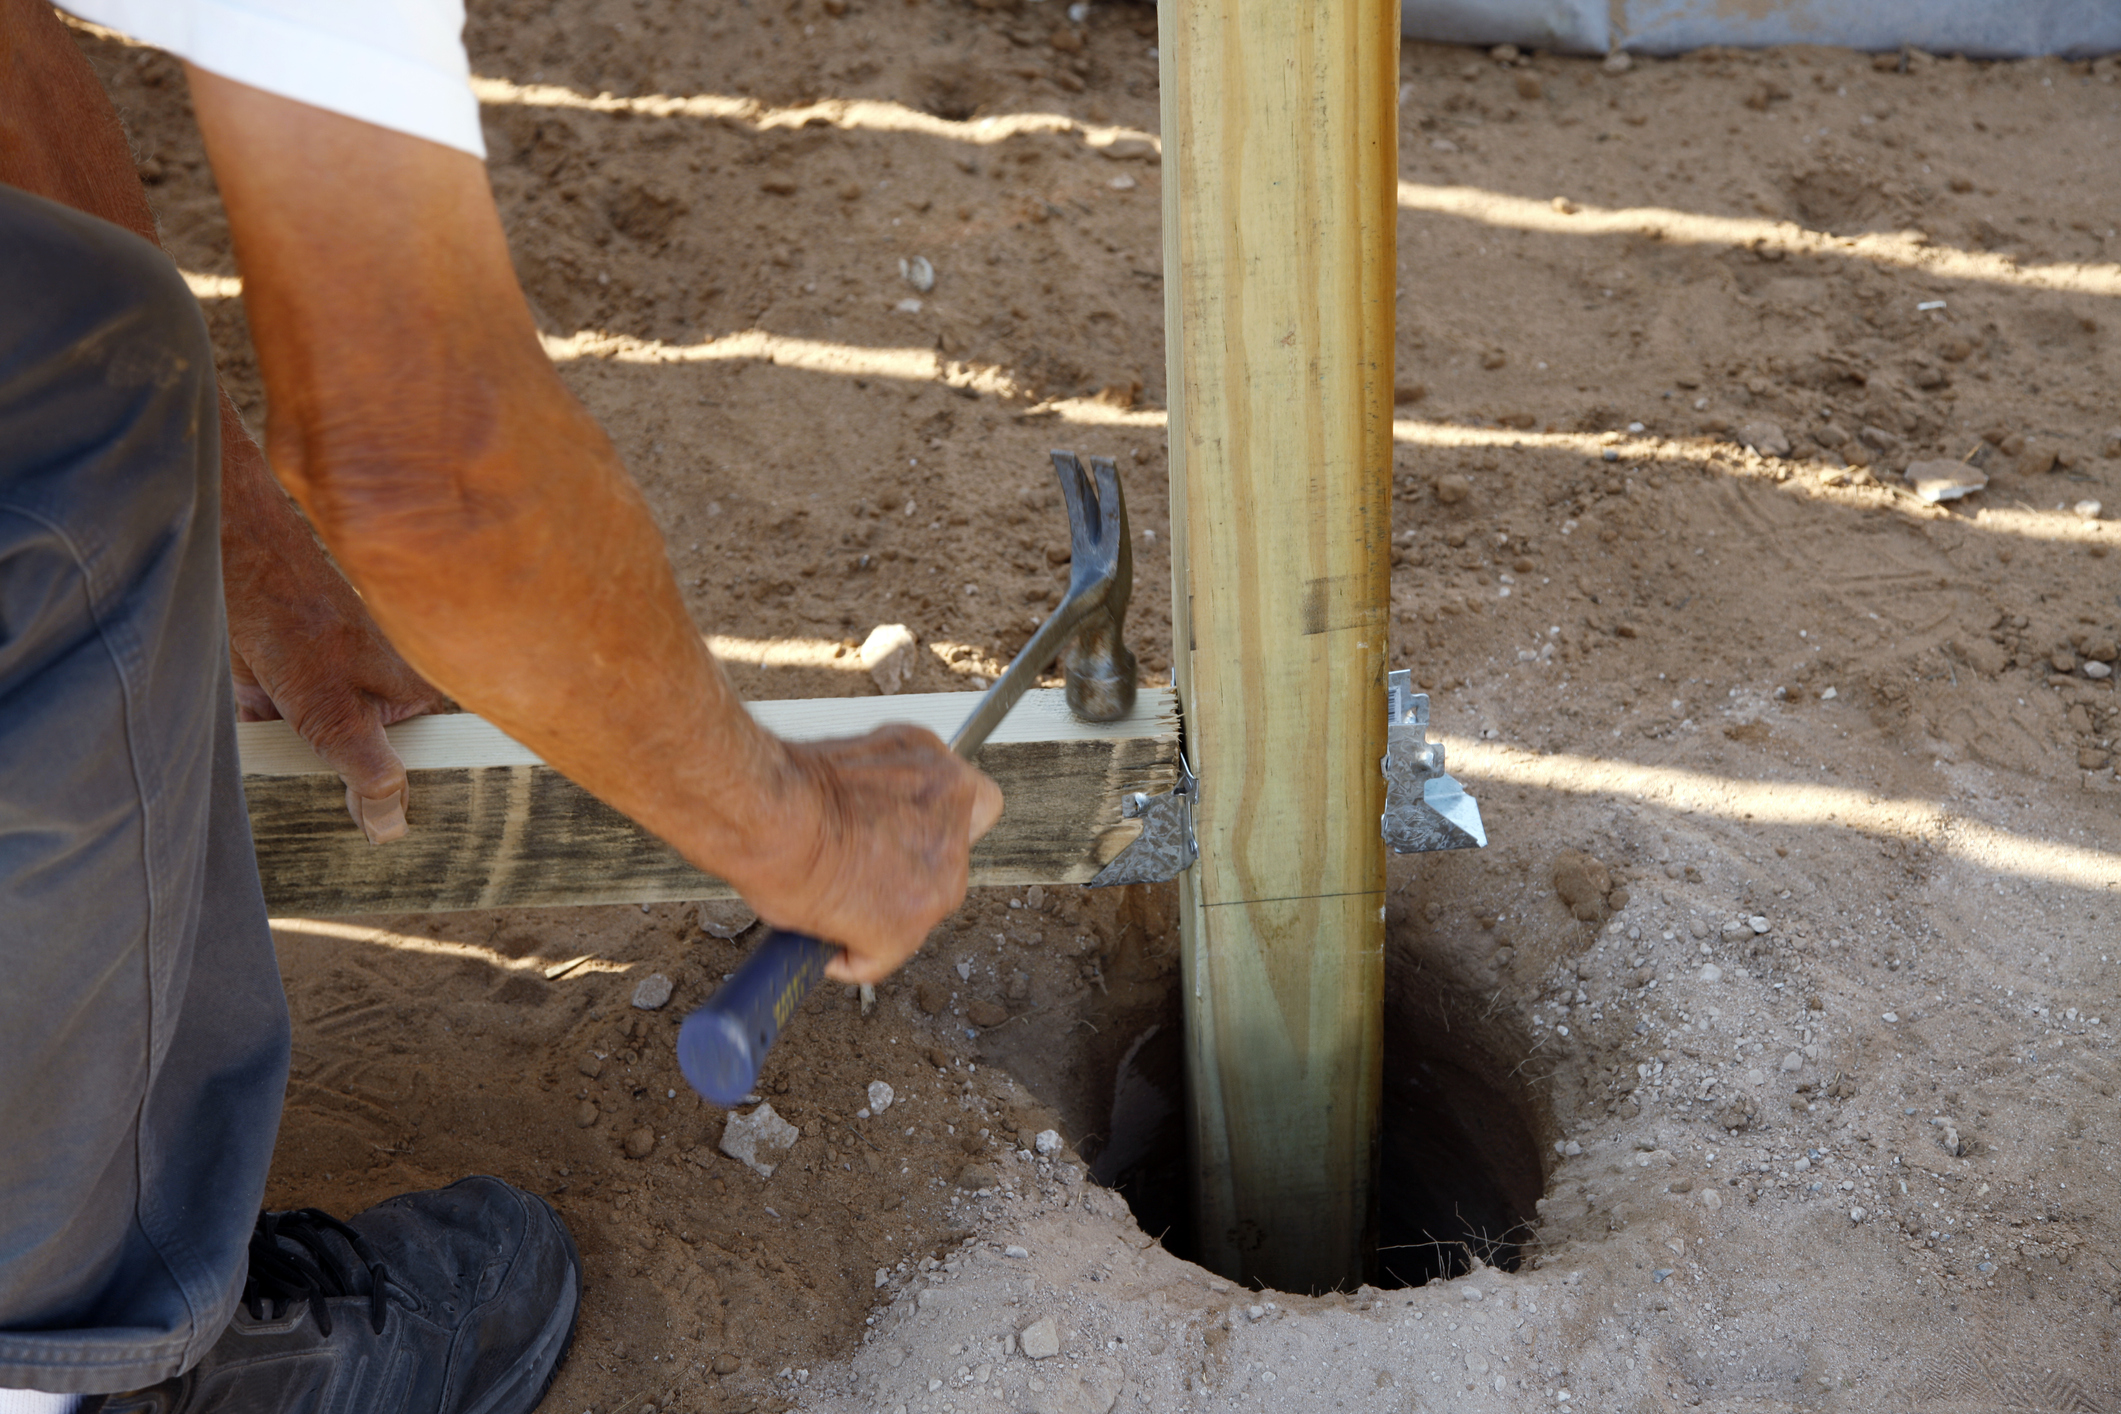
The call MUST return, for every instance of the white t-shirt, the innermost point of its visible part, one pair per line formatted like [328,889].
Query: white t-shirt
[396,63]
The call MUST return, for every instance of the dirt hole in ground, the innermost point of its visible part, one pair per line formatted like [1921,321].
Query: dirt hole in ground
[1460,1170]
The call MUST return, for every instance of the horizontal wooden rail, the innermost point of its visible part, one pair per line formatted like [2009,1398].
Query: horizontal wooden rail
[492,826]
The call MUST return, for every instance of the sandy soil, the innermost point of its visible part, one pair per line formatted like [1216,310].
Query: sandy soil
[1804,1072]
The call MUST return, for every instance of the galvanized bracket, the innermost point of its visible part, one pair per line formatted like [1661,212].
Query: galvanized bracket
[1165,848]
[1425,809]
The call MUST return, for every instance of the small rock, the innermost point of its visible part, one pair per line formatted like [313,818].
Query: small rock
[1123,148]
[1012,1250]
[652,993]
[1410,392]
[1936,481]
[883,1278]
[2088,509]
[2037,459]
[1793,1062]
[1828,435]
[1048,1143]
[1756,1076]
[1712,1200]
[1067,41]
[1618,62]
[1035,896]
[640,1143]
[918,272]
[1766,438]
[986,1012]
[1529,87]
[1759,925]
[930,997]
[1041,1339]
[1710,972]
[880,1097]
[1877,438]
[586,1114]
[2097,670]
[1452,488]
[887,656]
[977,1177]
[1856,1215]
[726,918]
[1470,1293]
[1736,931]
[1122,182]
[590,1066]
[747,1137]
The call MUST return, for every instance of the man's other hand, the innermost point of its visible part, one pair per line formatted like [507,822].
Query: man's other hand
[303,647]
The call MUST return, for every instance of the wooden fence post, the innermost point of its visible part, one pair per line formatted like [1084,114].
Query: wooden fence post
[1280,161]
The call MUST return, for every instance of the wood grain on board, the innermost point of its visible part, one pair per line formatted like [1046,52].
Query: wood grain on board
[1280,157]
[492,826]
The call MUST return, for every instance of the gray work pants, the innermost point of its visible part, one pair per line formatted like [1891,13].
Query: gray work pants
[143,1030]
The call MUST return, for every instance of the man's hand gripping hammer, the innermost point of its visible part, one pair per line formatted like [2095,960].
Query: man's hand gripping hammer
[723,1045]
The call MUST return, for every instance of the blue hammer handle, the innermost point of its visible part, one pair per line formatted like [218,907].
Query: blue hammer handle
[723,1045]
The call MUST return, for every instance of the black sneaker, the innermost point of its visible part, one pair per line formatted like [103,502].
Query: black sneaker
[457,1301]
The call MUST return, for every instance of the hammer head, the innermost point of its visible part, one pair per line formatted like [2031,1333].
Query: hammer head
[1099,670]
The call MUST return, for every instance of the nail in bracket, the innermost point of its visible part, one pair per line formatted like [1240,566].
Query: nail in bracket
[1425,809]
[1166,847]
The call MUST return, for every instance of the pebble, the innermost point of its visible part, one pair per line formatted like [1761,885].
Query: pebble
[653,993]
[1736,931]
[726,1364]
[1759,925]
[1712,1200]
[1856,1215]
[986,1012]
[2096,670]
[880,1097]
[1793,1062]
[1041,1339]
[726,918]
[746,1137]
[1936,481]
[1471,1293]
[590,1066]
[1048,1143]
[2088,509]
[1122,182]
[1710,972]
[640,1143]
[1766,438]
[887,655]
[918,272]
[1452,489]
[1012,1250]
[585,1114]
[1122,148]
[977,1177]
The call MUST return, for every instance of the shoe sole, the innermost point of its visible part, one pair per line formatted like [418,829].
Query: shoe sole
[540,1365]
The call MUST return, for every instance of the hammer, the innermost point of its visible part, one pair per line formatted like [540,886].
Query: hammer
[723,1045]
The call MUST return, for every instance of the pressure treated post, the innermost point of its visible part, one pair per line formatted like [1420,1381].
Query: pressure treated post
[1280,156]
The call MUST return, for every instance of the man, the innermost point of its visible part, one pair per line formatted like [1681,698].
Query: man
[496,543]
